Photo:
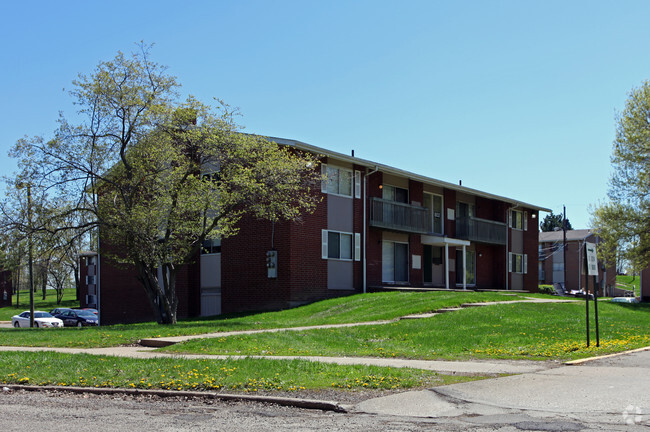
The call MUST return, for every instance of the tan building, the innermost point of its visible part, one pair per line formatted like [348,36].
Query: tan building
[551,262]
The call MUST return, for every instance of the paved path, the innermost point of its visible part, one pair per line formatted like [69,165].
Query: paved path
[474,367]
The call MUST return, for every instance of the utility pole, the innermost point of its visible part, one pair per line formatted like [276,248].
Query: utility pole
[30,250]
[564,245]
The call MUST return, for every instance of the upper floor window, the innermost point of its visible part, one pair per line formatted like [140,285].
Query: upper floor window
[433,203]
[337,180]
[211,246]
[519,220]
[394,193]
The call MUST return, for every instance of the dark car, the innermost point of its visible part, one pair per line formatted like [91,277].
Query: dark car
[59,310]
[77,318]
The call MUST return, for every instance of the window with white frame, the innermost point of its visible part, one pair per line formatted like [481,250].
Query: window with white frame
[519,220]
[337,181]
[341,245]
[518,263]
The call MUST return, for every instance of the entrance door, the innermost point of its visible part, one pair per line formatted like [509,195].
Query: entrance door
[434,266]
[395,262]
[470,265]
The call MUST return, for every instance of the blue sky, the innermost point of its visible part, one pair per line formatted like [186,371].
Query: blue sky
[516,98]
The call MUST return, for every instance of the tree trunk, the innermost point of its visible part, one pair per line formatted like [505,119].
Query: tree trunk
[163,301]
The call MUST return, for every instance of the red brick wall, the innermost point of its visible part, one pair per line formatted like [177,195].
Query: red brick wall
[358,228]
[449,201]
[122,296]
[302,273]
[373,245]
[531,248]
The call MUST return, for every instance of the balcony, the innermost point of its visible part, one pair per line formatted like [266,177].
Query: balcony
[398,216]
[481,230]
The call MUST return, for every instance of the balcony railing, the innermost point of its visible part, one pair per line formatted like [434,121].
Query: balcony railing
[481,230]
[398,216]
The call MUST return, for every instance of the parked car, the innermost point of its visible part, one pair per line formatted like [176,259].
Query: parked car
[77,318]
[56,311]
[91,310]
[41,319]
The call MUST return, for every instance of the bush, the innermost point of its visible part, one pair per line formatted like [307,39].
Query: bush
[546,289]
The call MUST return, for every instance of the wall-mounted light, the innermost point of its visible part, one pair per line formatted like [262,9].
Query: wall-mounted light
[381,186]
[534,216]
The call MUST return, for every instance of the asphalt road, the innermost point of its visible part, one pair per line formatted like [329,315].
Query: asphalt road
[604,395]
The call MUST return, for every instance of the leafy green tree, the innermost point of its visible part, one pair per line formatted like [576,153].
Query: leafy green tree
[623,222]
[158,176]
[552,221]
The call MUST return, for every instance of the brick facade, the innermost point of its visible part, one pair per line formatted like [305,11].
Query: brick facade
[303,272]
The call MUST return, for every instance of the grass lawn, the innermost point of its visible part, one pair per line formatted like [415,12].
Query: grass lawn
[520,331]
[247,375]
[356,308]
[629,282]
[69,300]
[539,331]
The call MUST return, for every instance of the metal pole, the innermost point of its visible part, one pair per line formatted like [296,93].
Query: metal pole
[596,309]
[585,265]
[30,246]
[564,248]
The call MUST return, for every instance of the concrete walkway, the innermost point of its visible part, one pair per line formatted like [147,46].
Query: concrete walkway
[475,367]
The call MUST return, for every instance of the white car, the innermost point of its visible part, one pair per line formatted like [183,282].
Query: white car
[41,319]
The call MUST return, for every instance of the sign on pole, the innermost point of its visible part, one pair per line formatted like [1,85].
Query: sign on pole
[592,259]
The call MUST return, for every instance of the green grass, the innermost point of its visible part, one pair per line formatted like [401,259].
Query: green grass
[246,375]
[629,283]
[69,300]
[520,331]
[356,308]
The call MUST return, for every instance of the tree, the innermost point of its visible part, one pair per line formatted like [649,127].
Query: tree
[552,221]
[623,221]
[158,176]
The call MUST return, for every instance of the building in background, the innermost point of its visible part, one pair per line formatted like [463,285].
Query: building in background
[551,262]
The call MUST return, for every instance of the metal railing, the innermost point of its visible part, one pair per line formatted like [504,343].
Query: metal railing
[481,230]
[399,216]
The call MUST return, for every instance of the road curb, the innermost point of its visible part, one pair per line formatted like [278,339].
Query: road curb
[585,360]
[284,401]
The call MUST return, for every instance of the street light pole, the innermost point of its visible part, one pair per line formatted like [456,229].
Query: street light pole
[30,250]
[30,255]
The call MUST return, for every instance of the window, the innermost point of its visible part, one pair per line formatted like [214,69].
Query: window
[433,203]
[558,266]
[395,262]
[211,246]
[338,181]
[518,220]
[518,263]
[341,245]
[470,267]
[394,193]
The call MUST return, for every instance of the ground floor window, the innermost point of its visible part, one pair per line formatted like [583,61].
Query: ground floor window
[518,263]
[394,262]
[341,245]
[470,267]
